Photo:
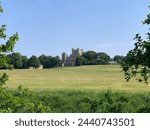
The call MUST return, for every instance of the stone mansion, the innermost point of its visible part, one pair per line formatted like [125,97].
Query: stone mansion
[71,60]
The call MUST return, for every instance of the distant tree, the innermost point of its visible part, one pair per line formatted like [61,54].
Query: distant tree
[7,47]
[92,62]
[25,62]
[43,60]
[55,62]
[16,60]
[34,62]
[81,61]
[58,63]
[137,61]
[118,59]
[103,58]
[91,57]
[49,61]
[101,62]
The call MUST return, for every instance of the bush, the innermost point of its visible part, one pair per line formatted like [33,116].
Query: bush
[20,102]
[26,101]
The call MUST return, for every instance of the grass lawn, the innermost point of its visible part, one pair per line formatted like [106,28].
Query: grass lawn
[85,78]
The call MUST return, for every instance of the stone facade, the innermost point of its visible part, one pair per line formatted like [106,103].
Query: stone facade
[71,60]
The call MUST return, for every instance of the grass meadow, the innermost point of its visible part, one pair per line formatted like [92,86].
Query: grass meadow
[85,78]
[89,89]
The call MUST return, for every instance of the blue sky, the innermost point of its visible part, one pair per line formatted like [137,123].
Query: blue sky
[53,26]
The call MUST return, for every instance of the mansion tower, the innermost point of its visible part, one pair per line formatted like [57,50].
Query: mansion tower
[71,60]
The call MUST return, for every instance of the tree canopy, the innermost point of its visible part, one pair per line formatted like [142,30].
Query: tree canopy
[118,59]
[137,61]
[93,58]
[5,47]
[16,60]
[34,62]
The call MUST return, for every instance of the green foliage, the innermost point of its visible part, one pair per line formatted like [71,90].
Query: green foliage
[89,55]
[81,61]
[3,61]
[7,47]
[88,102]
[137,61]
[1,9]
[16,60]
[93,58]
[44,60]
[26,101]
[54,62]
[3,79]
[118,59]
[49,61]
[22,101]
[103,58]
[34,62]
[24,62]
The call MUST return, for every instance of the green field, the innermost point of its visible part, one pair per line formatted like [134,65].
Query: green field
[85,78]
[88,89]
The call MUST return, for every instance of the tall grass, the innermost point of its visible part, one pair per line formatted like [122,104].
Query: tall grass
[23,100]
[87,102]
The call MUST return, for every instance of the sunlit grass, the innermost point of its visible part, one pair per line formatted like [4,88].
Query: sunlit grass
[85,78]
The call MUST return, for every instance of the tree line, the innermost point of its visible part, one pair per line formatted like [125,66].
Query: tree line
[19,61]
[100,58]
[93,58]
